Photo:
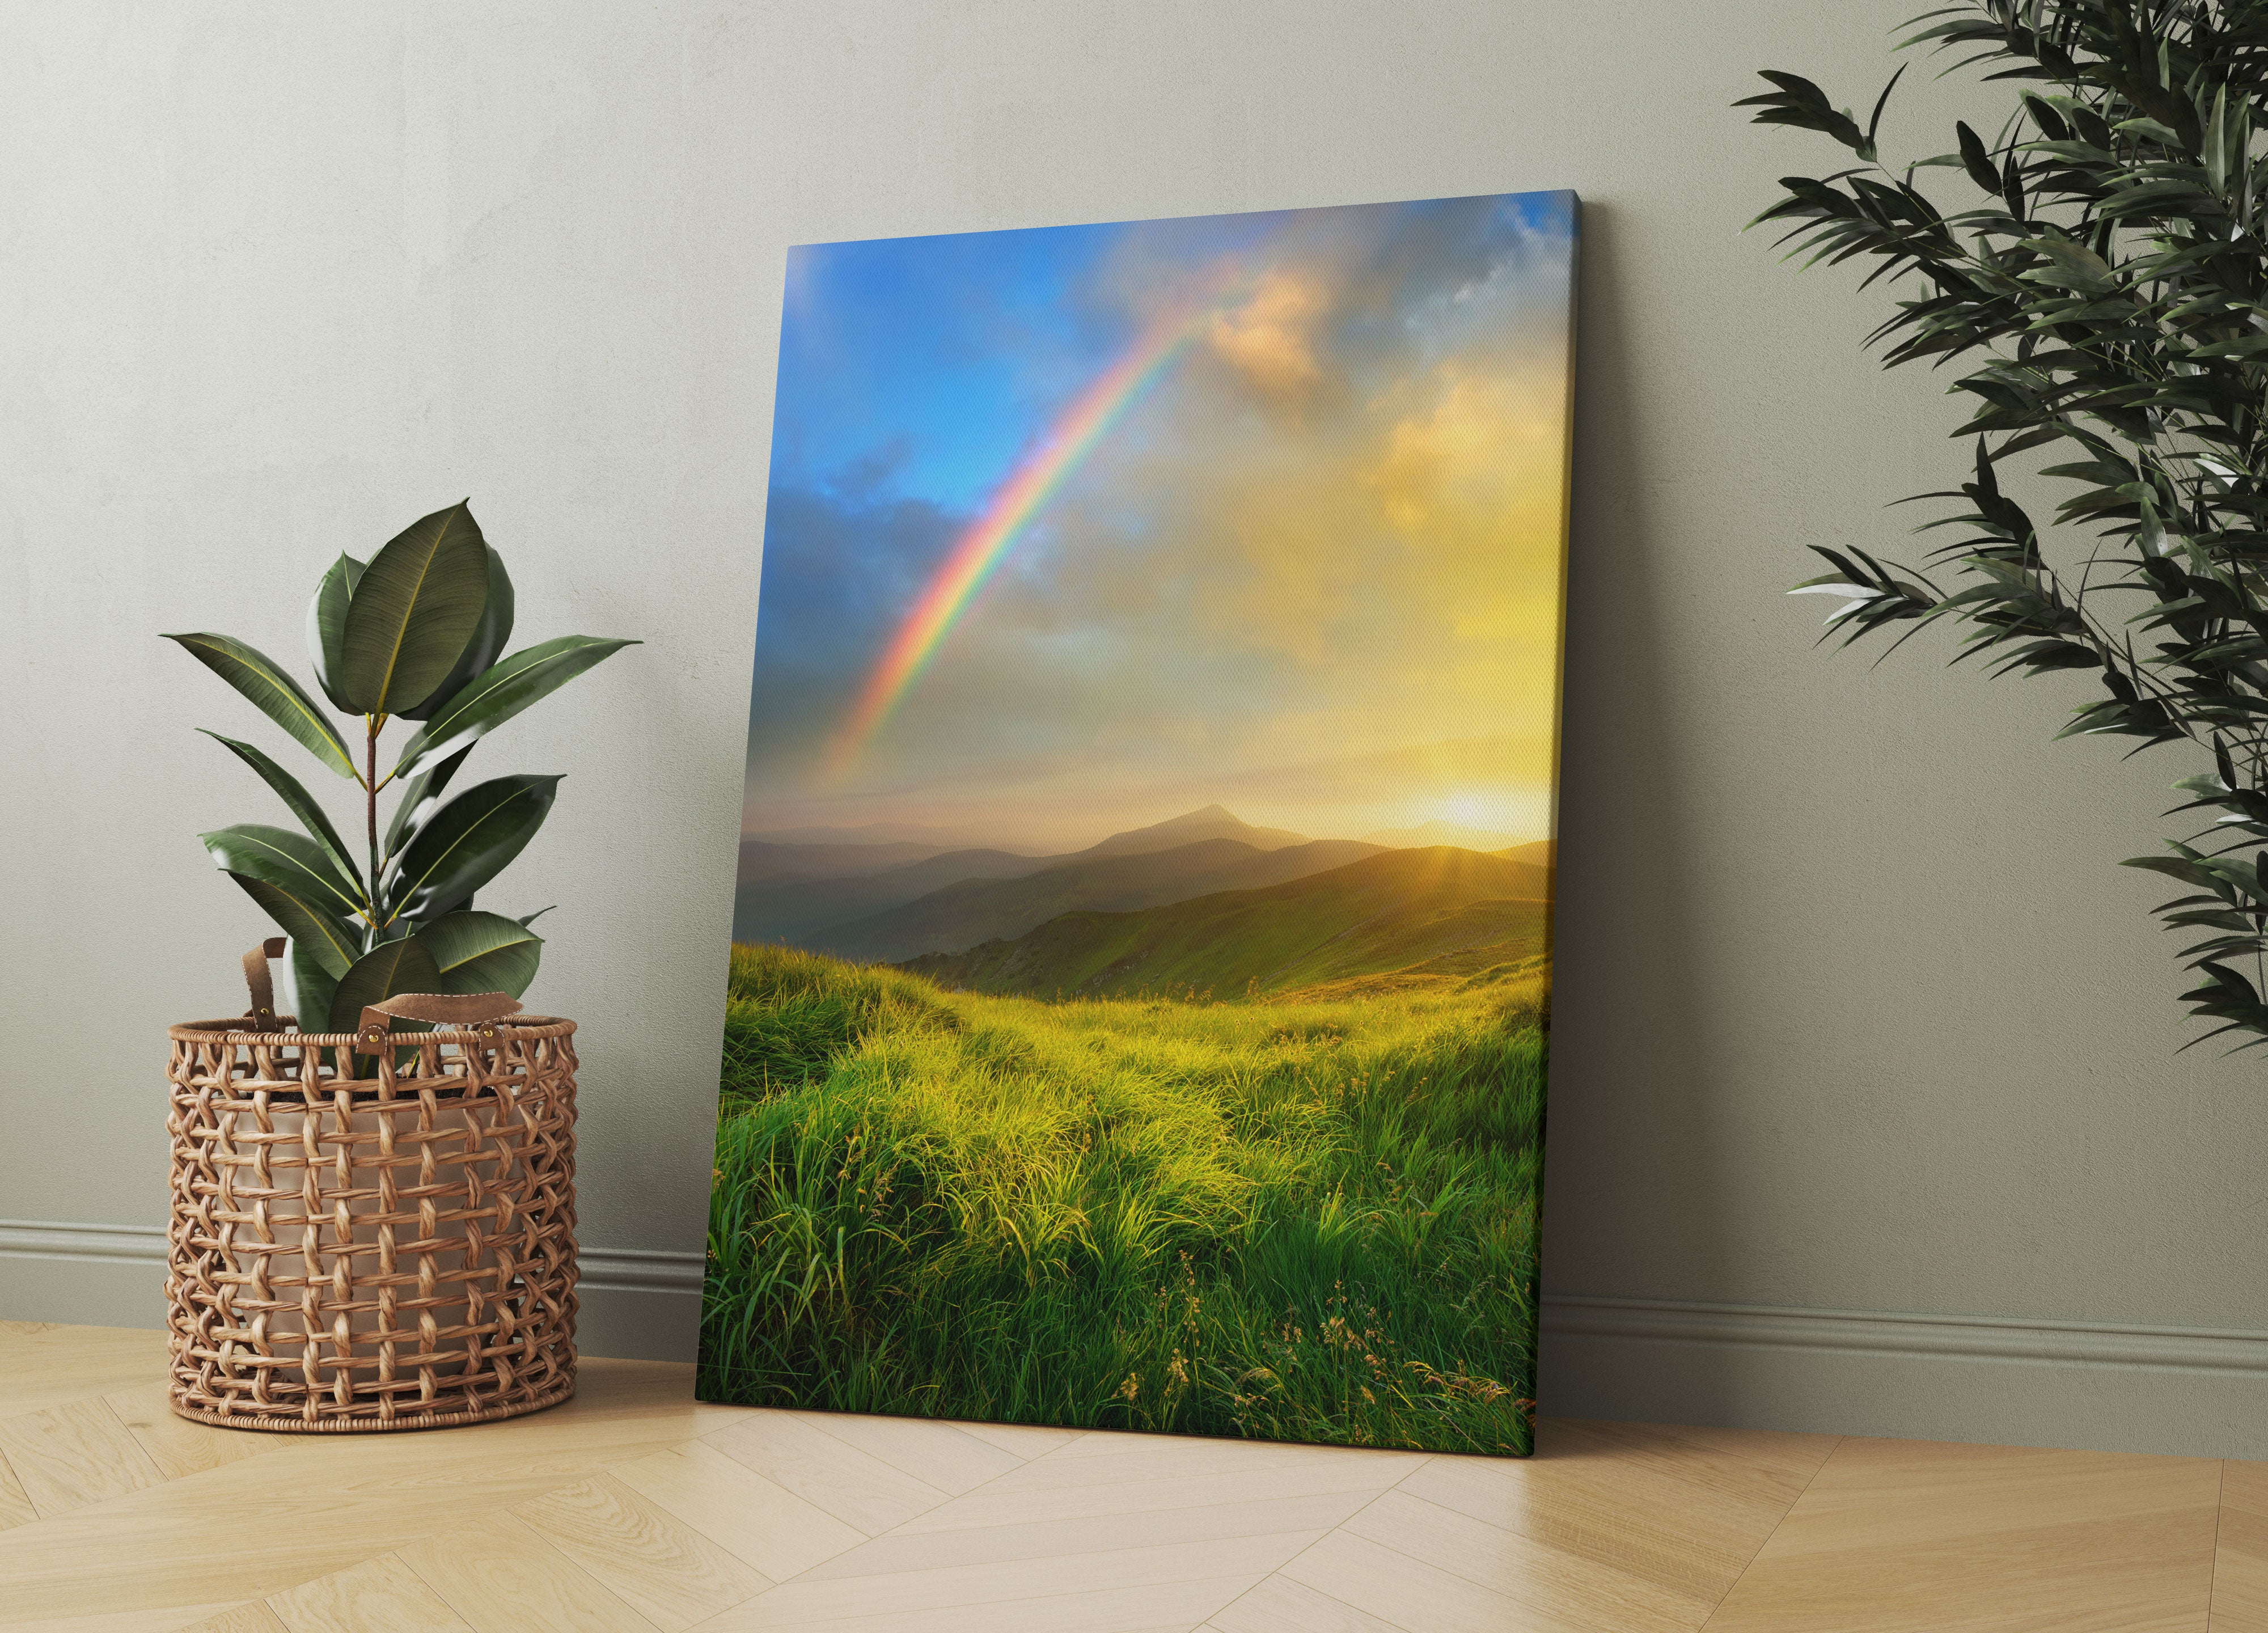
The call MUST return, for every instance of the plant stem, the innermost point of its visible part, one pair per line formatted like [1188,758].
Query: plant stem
[369,804]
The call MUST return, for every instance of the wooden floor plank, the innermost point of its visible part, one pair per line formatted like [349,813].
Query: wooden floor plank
[322,1502]
[500,1576]
[1001,1585]
[2240,1562]
[177,1444]
[1155,1457]
[1541,1580]
[1090,1488]
[381,1595]
[252,1618]
[1915,1537]
[936,1453]
[1279,1605]
[1047,1539]
[1143,1607]
[763,1524]
[59,1364]
[74,1456]
[14,1504]
[1024,1440]
[854,1486]
[1411,1595]
[661,1567]
[170,1619]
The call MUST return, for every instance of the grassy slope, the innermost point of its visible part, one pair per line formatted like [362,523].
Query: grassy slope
[1385,913]
[1310,1221]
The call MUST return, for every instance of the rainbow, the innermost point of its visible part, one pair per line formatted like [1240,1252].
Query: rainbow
[979,550]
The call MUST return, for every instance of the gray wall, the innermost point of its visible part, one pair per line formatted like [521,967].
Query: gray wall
[1857,1022]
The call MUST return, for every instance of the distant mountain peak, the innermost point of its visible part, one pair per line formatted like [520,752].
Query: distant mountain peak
[1213,822]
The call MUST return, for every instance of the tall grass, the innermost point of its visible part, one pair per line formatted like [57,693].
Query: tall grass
[1304,1221]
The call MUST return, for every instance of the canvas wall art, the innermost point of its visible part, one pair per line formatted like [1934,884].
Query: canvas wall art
[1140,983]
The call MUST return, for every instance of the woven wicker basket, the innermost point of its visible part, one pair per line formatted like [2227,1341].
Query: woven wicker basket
[392,1250]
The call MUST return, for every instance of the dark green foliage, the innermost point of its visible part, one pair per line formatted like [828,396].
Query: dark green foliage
[2106,299]
[1309,1221]
[415,632]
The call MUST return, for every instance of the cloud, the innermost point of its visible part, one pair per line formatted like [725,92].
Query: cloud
[1269,338]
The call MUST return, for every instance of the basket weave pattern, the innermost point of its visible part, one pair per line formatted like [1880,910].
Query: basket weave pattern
[395,1251]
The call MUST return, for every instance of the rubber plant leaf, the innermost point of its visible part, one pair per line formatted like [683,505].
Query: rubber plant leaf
[289,861]
[312,986]
[496,696]
[482,952]
[420,800]
[386,971]
[414,612]
[318,936]
[303,806]
[326,623]
[467,843]
[262,680]
[488,638]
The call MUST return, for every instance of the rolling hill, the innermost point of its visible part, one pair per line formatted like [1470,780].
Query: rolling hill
[791,908]
[1392,911]
[764,858]
[794,891]
[963,914]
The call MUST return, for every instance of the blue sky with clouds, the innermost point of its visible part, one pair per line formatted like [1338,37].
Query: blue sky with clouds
[1326,536]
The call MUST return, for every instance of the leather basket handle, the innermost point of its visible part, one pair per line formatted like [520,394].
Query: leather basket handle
[474,1012]
[261,1017]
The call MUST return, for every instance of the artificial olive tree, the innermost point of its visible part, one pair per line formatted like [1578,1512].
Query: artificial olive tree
[2100,299]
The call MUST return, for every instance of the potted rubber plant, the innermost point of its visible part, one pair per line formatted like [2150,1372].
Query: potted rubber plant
[416,634]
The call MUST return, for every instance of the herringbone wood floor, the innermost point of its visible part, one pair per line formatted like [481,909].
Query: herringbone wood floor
[633,1510]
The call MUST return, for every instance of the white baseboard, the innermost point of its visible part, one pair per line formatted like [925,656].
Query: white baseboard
[636,1303]
[2195,1392]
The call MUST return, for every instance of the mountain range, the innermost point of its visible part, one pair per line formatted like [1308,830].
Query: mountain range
[890,899]
[985,909]
[1431,912]
[791,891]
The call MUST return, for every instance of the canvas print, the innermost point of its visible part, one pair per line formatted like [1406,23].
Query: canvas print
[1141,973]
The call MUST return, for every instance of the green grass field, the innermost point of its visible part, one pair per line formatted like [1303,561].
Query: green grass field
[1306,1218]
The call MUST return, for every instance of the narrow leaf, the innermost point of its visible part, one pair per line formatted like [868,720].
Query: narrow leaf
[290,861]
[262,680]
[313,987]
[527,677]
[303,806]
[328,941]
